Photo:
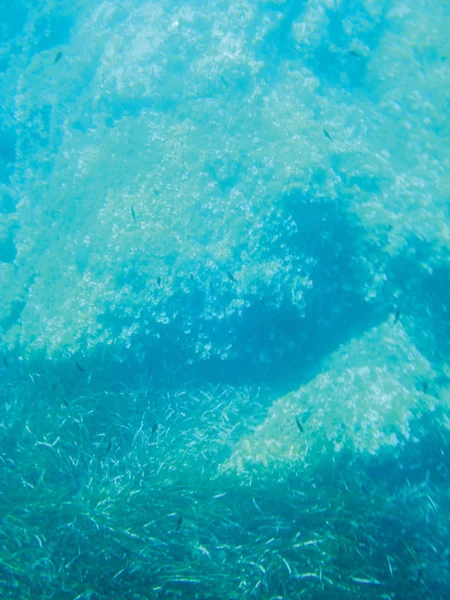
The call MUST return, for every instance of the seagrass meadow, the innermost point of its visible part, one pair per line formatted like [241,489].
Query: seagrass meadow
[224,300]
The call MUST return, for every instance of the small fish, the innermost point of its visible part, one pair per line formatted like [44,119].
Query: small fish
[179,522]
[79,367]
[425,387]
[327,135]
[354,53]
[397,315]
[158,281]
[58,57]
[5,362]
[133,214]
[420,575]
[154,429]
[299,425]
[231,277]
[108,447]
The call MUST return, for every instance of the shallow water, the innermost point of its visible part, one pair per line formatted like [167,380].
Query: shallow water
[224,307]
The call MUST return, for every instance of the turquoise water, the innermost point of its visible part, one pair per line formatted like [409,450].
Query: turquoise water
[224,307]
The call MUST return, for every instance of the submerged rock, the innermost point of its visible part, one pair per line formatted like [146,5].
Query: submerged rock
[364,399]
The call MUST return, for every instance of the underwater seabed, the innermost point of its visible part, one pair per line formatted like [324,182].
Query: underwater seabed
[135,494]
[261,189]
